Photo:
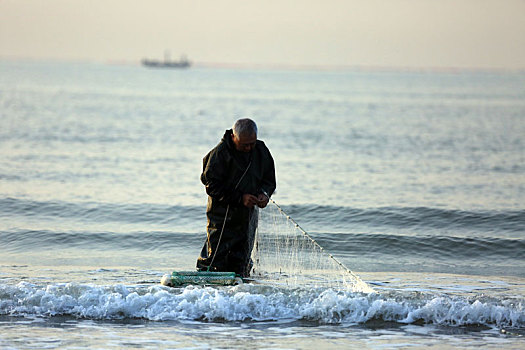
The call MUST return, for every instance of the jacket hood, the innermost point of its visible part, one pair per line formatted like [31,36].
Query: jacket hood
[227,139]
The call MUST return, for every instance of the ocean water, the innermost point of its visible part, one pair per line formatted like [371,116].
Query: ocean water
[415,180]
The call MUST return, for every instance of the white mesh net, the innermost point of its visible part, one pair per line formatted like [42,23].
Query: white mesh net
[285,254]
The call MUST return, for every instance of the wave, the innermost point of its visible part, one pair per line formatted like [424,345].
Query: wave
[102,212]
[18,241]
[429,246]
[380,239]
[313,217]
[410,218]
[253,303]
[344,245]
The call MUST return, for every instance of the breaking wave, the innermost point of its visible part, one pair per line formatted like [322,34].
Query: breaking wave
[254,303]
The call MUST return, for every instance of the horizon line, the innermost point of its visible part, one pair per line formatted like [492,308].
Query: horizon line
[279,66]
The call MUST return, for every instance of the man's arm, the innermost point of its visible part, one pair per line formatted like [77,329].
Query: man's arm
[214,177]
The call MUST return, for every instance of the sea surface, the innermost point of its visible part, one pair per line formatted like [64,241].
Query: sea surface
[414,180]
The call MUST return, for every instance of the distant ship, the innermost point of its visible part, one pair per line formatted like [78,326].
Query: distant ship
[167,63]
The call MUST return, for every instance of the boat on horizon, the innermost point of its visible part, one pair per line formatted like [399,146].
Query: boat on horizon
[167,63]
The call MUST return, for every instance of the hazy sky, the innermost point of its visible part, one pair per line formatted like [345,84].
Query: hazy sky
[392,33]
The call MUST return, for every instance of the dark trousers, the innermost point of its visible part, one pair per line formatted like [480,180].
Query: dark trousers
[232,253]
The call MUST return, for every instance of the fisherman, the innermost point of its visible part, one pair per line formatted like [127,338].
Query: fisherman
[239,174]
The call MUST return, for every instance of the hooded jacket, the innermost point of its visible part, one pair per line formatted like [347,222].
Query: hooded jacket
[227,175]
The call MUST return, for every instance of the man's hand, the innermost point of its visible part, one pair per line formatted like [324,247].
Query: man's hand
[262,200]
[249,200]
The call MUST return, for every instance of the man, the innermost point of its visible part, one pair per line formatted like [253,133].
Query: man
[239,174]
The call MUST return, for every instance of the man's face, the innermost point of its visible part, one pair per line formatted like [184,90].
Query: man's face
[244,143]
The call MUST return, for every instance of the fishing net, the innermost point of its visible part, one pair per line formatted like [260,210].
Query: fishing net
[285,254]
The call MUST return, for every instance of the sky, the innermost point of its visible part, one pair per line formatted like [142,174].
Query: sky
[364,33]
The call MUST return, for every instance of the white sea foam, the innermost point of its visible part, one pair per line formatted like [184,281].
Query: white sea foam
[251,303]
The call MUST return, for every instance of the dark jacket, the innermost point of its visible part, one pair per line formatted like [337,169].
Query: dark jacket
[227,175]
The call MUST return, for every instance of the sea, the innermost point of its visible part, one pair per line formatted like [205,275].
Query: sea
[414,179]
